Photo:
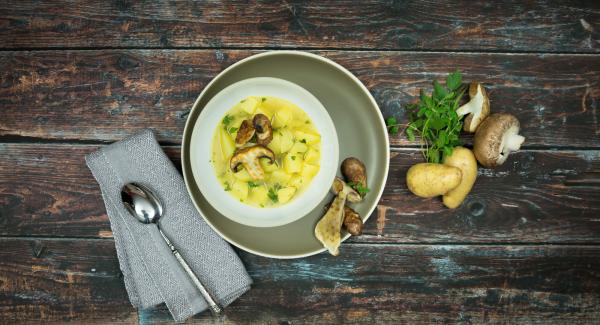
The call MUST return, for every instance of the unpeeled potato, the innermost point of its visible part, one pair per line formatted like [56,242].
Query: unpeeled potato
[430,180]
[464,159]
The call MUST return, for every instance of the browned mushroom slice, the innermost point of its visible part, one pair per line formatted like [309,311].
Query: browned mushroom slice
[352,221]
[249,158]
[339,185]
[264,131]
[245,133]
[356,174]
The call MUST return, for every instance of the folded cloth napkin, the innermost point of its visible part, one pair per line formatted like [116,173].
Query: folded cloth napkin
[152,274]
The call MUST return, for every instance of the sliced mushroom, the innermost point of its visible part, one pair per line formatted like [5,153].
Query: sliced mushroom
[249,158]
[264,130]
[478,107]
[352,221]
[245,133]
[339,185]
[328,228]
[495,138]
[355,173]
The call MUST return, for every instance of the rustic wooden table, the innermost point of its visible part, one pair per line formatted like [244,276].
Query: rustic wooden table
[524,247]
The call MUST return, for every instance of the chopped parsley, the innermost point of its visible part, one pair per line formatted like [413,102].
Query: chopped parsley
[252,184]
[303,141]
[264,98]
[232,130]
[293,157]
[227,187]
[362,190]
[272,194]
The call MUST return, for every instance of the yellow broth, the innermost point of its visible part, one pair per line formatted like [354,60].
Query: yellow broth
[296,144]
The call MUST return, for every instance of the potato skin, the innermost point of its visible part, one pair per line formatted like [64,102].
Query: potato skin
[464,159]
[430,180]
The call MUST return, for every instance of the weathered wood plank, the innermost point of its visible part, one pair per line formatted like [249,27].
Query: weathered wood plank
[60,280]
[429,25]
[536,197]
[106,95]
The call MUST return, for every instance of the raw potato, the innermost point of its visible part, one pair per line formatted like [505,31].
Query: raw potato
[430,180]
[464,159]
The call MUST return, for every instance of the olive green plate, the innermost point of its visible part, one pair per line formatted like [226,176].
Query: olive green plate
[361,132]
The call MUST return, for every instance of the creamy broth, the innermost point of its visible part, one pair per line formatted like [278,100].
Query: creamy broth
[296,144]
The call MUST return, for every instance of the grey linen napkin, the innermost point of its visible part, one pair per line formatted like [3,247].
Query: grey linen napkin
[152,274]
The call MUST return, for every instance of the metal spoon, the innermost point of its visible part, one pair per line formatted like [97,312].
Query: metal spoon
[146,208]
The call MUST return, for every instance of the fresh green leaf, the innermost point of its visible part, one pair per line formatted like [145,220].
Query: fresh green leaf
[454,80]
[252,184]
[232,130]
[435,120]
[227,119]
[362,190]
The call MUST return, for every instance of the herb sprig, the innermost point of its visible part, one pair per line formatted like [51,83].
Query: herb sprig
[362,190]
[435,120]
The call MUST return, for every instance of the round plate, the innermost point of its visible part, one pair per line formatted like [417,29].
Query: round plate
[360,129]
[201,147]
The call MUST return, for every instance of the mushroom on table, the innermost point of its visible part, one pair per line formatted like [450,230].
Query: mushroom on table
[495,138]
[478,108]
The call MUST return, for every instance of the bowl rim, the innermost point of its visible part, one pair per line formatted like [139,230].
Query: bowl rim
[216,79]
[226,204]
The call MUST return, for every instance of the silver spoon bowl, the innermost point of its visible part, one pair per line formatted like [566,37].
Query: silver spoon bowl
[145,206]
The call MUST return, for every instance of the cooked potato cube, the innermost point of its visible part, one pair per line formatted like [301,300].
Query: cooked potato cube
[287,140]
[280,177]
[258,195]
[292,163]
[239,189]
[227,144]
[309,170]
[312,156]
[282,117]
[310,138]
[249,105]
[299,147]
[285,194]
[243,175]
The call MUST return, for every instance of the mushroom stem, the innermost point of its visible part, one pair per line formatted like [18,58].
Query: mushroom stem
[513,143]
[473,106]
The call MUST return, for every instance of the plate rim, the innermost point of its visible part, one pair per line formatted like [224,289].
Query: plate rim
[266,54]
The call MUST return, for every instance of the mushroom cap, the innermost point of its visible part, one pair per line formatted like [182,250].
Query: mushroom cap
[249,158]
[354,171]
[245,133]
[491,136]
[472,121]
[264,130]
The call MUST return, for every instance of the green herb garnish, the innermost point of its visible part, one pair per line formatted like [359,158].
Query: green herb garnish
[252,184]
[263,99]
[362,190]
[232,130]
[226,121]
[227,187]
[435,120]
[293,157]
[303,141]
[272,194]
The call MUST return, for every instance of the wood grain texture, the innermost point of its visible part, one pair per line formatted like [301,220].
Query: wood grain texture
[535,197]
[571,26]
[60,280]
[107,95]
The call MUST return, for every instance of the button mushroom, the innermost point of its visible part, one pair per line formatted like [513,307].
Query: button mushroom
[478,107]
[356,174]
[249,158]
[495,138]
[352,221]
[245,133]
[264,130]
[328,228]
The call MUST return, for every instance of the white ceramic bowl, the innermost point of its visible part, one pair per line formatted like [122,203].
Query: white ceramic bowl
[206,178]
